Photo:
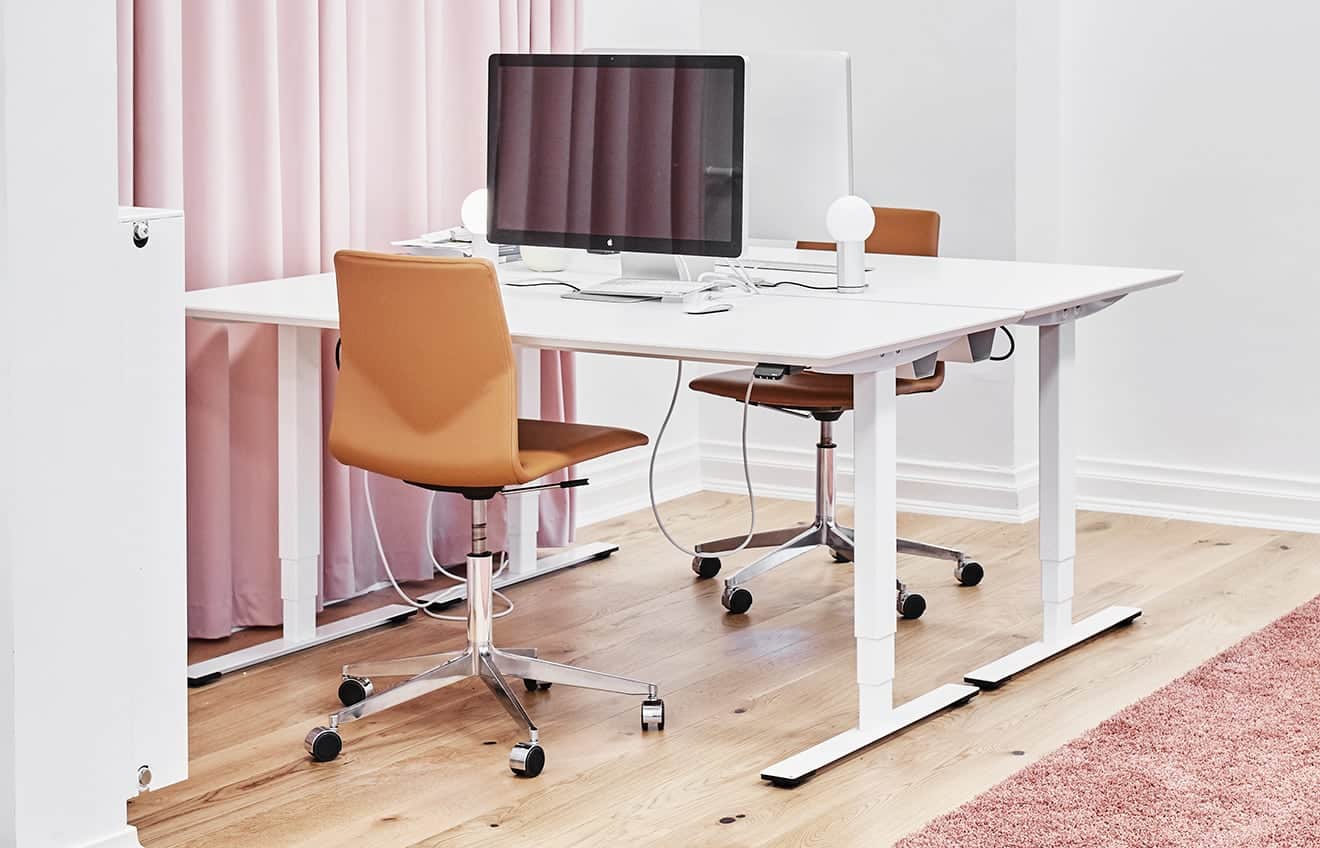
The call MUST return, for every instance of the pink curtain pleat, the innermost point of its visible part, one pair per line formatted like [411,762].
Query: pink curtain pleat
[287,130]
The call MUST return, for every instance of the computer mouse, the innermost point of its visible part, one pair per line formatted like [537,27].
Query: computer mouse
[706,306]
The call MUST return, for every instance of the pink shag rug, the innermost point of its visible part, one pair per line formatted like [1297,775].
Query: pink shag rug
[1227,755]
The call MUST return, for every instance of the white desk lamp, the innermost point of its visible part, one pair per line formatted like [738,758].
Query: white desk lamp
[473,215]
[850,220]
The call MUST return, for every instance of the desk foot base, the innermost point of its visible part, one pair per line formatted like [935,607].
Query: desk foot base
[996,674]
[208,671]
[548,564]
[799,767]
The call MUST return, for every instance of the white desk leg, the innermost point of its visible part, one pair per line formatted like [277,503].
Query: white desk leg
[1058,522]
[299,516]
[874,573]
[523,511]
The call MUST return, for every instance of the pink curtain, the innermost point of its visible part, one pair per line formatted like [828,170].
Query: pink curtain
[287,130]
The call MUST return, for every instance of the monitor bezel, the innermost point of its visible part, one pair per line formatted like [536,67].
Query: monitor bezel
[614,242]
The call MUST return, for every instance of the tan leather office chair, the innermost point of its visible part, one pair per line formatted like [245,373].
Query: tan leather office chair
[910,232]
[427,395]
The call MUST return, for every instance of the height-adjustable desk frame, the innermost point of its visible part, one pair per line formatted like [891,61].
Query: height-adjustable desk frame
[1052,298]
[914,307]
[869,339]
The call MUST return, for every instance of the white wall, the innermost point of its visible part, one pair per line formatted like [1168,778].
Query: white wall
[1190,138]
[934,86]
[634,393]
[641,24]
[1103,131]
[65,697]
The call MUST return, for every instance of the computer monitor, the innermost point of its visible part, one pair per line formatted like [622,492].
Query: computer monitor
[799,156]
[617,152]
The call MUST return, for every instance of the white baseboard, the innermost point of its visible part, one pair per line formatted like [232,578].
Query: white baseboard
[618,481]
[969,491]
[126,838]
[1012,495]
[1194,494]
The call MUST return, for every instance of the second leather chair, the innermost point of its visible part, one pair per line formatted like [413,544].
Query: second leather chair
[825,397]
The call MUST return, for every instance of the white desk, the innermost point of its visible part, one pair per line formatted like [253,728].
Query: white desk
[1051,297]
[867,338]
[916,307]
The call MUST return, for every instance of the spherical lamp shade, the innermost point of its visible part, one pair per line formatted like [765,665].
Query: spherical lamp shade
[473,213]
[850,219]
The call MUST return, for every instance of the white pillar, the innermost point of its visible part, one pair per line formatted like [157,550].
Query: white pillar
[523,515]
[71,442]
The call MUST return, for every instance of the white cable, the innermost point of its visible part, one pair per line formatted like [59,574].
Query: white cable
[425,606]
[745,275]
[721,277]
[747,474]
[430,550]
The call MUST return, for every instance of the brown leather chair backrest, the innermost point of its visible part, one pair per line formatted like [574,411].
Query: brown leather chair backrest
[427,390]
[907,232]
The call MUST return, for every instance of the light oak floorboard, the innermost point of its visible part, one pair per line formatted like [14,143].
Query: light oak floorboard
[741,693]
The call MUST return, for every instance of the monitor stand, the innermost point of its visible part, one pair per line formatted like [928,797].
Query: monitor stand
[675,278]
[661,266]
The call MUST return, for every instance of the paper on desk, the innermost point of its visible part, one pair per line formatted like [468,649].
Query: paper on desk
[418,247]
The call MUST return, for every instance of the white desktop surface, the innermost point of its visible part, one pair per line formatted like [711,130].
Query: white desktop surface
[764,327]
[1034,288]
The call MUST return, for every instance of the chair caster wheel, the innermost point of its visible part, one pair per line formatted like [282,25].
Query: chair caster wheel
[527,759]
[355,690]
[969,573]
[653,713]
[705,567]
[840,556]
[323,744]
[534,685]
[911,606]
[736,600]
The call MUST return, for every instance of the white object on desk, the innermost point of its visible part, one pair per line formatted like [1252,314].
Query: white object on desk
[420,247]
[473,214]
[705,304]
[850,221]
[795,168]
[547,260]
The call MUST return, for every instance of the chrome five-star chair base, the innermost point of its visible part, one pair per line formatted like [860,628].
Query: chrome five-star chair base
[792,542]
[479,659]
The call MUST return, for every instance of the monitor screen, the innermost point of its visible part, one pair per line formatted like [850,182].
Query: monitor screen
[616,152]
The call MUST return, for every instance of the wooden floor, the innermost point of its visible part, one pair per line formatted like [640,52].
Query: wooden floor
[741,693]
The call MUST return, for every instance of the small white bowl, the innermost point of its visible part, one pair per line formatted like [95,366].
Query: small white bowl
[544,259]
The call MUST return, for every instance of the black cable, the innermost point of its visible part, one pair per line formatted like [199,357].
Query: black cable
[1012,346]
[795,283]
[339,345]
[545,283]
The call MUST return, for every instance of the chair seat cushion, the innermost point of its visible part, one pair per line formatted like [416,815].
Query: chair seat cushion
[806,390]
[548,446]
